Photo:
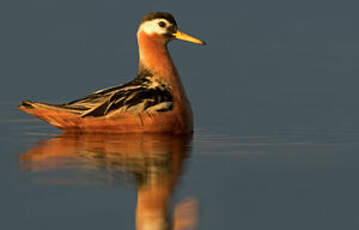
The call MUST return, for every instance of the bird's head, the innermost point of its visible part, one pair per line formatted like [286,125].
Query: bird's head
[163,27]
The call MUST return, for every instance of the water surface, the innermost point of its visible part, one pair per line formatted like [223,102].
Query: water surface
[289,178]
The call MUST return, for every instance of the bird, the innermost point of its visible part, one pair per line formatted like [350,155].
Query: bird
[155,101]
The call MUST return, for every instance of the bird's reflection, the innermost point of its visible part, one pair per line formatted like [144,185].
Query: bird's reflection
[152,161]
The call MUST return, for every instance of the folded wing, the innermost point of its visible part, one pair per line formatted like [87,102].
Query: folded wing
[136,96]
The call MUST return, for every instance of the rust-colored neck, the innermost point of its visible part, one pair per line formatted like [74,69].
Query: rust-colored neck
[154,56]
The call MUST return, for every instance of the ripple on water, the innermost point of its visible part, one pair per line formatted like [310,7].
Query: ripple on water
[280,140]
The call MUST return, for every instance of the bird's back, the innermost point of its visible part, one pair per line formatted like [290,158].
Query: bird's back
[145,96]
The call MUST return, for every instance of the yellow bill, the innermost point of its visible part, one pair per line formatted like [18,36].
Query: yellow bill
[185,37]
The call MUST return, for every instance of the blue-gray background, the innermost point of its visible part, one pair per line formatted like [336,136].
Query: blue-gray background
[258,51]
[269,67]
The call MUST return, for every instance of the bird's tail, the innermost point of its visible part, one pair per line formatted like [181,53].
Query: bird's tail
[56,115]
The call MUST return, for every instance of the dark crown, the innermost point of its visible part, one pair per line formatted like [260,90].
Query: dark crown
[155,15]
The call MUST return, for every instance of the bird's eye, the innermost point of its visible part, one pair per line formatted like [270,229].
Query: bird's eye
[162,24]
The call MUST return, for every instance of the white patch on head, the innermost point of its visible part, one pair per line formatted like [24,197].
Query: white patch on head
[153,26]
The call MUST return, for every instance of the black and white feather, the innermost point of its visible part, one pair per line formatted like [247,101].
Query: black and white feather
[140,95]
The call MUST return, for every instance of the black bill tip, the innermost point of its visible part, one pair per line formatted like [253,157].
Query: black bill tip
[27,104]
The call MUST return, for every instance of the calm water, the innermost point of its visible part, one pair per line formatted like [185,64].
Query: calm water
[285,179]
[275,97]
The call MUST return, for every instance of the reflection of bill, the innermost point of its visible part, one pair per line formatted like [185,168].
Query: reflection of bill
[153,161]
